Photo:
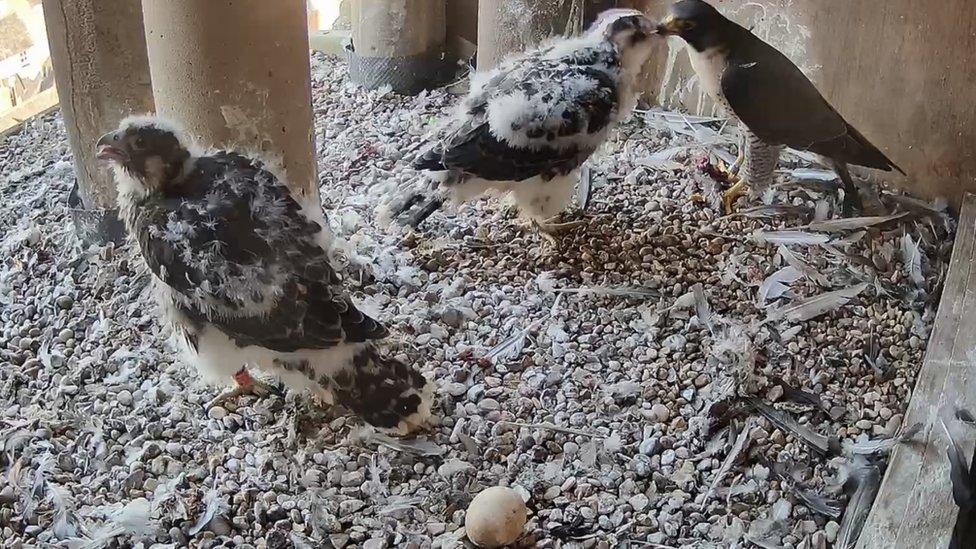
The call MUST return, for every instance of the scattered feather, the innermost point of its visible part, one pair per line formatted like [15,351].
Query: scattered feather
[214,505]
[612,444]
[418,446]
[912,259]
[623,291]
[880,446]
[852,223]
[584,189]
[866,479]
[790,238]
[740,445]
[663,160]
[811,174]
[453,467]
[818,502]
[512,347]
[771,211]
[817,305]
[778,283]
[809,272]
[808,436]
[963,485]
[702,310]
[588,453]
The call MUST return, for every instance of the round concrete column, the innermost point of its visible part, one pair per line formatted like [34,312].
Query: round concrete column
[399,43]
[505,27]
[235,73]
[98,50]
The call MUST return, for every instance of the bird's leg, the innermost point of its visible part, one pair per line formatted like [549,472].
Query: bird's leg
[244,385]
[731,172]
[739,189]
[552,227]
[852,196]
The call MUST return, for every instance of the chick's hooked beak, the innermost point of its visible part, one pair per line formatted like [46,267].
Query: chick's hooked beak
[109,147]
[672,26]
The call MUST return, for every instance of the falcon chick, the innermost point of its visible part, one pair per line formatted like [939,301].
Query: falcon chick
[527,126]
[242,273]
[775,103]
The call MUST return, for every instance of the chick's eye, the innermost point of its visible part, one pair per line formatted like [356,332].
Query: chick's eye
[139,143]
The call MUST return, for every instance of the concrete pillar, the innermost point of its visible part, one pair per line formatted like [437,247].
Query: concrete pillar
[399,43]
[235,73]
[505,27]
[98,50]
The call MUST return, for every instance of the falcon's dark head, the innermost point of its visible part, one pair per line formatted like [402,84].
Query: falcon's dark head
[697,22]
[147,149]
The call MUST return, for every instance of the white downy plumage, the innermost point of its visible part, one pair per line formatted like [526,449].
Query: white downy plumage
[527,126]
[243,273]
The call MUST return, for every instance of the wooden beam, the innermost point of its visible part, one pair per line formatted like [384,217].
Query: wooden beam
[38,105]
[914,507]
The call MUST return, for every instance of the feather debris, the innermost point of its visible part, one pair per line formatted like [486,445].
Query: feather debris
[817,305]
[702,310]
[778,283]
[134,518]
[852,223]
[798,396]
[963,485]
[771,211]
[512,347]
[584,190]
[551,427]
[663,160]
[636,292]
[866,479]
[419,446]
[790,238]
[822,444]
[882,445]
[818,502]
[31,497]
[794,261]
[215,505]
[911,256]
[740,445]
[810,174]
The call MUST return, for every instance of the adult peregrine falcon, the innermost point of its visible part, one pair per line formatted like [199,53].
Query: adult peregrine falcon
[243,275]
[528,125]
[774,101]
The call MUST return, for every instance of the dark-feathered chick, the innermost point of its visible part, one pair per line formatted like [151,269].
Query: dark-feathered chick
[242,269]
[527,126]
[774,101]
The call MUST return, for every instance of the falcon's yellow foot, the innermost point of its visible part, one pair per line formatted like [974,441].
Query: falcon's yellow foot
[739,189]
[245,385]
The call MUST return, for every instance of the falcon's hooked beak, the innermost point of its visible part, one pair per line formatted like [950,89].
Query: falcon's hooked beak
[109,148]
[672,26]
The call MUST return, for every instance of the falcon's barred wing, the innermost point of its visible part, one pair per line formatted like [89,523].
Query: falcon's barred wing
[534,116]
[238,252]
[779,104]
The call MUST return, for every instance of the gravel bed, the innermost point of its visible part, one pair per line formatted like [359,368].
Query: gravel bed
[664,378]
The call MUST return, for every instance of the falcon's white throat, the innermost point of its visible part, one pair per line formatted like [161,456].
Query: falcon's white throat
[710,65]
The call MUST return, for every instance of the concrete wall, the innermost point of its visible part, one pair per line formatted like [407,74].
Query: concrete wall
[901,71]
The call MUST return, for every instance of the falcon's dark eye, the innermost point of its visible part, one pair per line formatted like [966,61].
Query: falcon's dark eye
[139,144]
